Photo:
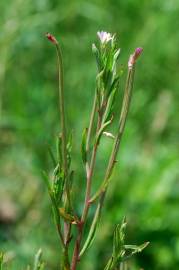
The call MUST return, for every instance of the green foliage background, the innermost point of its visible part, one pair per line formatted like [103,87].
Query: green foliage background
[145,184]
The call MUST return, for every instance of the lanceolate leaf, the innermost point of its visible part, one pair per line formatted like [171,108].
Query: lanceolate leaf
[108,79]
[69,148]
[116,241]
[109,107]
[92,232]
[122,231]
[100,132]
[121,251]
[136,248]
[58,187]
[83,146]
[38,265]
[53,199]
[110,264]
[96,52]
[116,55]
[59,150]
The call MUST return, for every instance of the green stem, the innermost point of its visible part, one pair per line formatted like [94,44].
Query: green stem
[91,122]
[67,227]
[65,260]
[122,121]
[89,133]
[62,118]
[89,172]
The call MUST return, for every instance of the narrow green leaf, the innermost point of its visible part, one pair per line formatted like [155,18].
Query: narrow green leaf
[100,132]
[83,146]
[116,241]
[69,149]
[99,88]
[98,57]
[59,149]
[110,264]
[108,79]
[115,58]
[92,232]
[38,265]
[135,249]
[144,245]
[116,55]
[58,187]
[53,199]
[109,107]
[122,231]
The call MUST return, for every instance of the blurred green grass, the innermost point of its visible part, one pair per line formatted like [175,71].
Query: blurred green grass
[145,183]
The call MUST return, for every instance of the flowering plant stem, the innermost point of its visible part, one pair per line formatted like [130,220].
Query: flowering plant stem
[123,116]
[122,121]
[102,191]
[107,83]
[67,226]
[121,126]
[89,174]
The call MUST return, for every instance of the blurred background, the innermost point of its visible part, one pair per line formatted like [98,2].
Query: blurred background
[145,184]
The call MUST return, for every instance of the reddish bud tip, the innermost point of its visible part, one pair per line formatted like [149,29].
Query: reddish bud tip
[133,57]
[138,52]
[51,38]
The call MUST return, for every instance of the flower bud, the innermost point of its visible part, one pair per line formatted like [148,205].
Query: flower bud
[51,38]
[138,52]
[133,57]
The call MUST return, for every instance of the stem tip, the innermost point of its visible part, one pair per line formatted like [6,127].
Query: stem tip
[51,38]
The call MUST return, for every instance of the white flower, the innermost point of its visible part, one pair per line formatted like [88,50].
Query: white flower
[104,37]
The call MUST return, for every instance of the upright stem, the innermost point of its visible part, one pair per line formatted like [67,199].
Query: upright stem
[67,227]
[122,122]
[91,122]
[62,114]
[89,133]
[85,210]
[89,172]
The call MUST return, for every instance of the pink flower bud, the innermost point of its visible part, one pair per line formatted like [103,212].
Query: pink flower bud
[137,52]
[51,38]
[133,57]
